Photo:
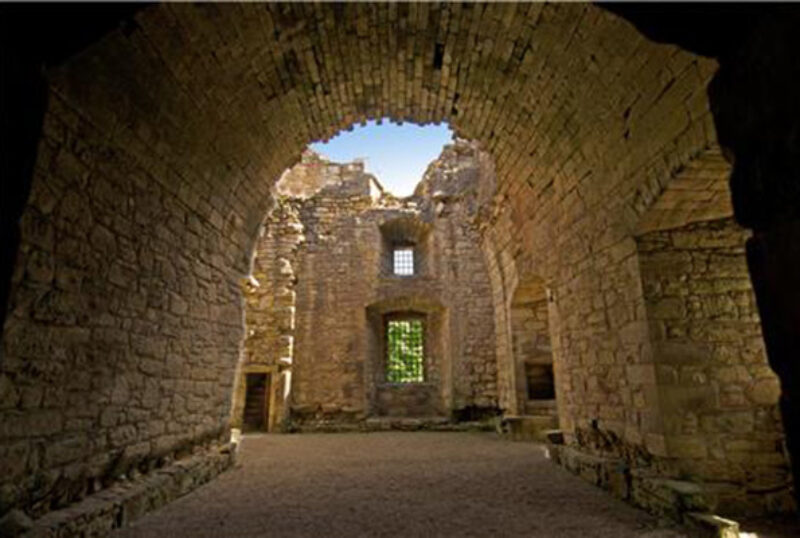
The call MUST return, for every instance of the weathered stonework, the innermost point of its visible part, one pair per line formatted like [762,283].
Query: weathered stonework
[718,396]
[124,325]
[717,444]
[128,500]
[327,250]
[270,312]
[154,173]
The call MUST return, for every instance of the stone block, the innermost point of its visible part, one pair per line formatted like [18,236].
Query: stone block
[765,391]
[641,374]
[682,352]
[683,446]
[677,398]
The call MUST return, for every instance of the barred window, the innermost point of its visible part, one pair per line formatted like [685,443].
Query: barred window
[403,261]
[404,351]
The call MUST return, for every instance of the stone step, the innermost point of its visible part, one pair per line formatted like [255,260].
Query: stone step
[405,423]
[379,424]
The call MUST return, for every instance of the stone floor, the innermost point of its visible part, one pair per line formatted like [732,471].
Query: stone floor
[389,484]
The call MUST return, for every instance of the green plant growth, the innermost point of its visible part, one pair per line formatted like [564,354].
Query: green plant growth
[405,351]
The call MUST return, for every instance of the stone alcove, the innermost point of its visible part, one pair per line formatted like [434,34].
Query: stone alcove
[426,398]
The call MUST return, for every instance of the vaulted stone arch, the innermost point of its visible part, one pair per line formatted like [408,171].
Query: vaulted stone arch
[160,146]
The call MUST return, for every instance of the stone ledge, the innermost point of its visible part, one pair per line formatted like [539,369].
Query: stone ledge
[671,498]
[120,504]
[382,424]
[610,474]
[434,424]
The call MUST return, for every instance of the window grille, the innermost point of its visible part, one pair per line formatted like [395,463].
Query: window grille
[404,261]
[404,351]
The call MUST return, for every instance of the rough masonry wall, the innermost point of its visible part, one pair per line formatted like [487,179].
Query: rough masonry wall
[343,288]
[269,294]
[124,318]
[452,185]
[585,119]
[571,222]
[718,395]
[335,274]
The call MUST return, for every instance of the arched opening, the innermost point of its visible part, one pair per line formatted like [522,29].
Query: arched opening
[363,337]
[158,154]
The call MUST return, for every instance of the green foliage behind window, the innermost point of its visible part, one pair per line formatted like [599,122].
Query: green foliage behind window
[404,351]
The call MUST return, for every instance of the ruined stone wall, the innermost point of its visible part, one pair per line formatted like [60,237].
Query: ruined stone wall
[451,189]
[336,273]
[344,287]
[718,395]
[270,311]
[270,295]
[572,224]
[184,118]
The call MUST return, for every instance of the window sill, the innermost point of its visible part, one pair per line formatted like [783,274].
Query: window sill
[393,278]
[411,384]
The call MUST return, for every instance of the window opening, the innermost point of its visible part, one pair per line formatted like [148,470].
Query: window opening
[404,351]
[541,385]
[403,261]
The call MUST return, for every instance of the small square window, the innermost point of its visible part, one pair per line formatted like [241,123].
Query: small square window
[403,261]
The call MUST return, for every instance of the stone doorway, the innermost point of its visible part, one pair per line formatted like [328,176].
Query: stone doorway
[256,402]
[256,405]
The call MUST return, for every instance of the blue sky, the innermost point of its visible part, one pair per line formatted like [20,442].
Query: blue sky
[396,154]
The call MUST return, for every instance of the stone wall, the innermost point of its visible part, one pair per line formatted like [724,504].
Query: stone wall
[452,186]
[576,232]
[269,294]
[124,319]
[724,448]
[154,173]
[343,226]
[717,394]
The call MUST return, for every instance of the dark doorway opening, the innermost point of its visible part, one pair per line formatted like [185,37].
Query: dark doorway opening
[256,403]
[540,381]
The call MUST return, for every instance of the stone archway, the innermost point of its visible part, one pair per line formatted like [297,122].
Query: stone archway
[531,343]
[159,148]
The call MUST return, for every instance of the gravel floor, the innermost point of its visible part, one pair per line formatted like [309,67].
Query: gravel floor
[389,484]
